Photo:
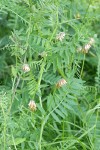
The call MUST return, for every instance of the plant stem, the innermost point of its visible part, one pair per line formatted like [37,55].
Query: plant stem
[82,66]
[41,132]
[39,80]
[38,88]
[15,88]
[4,128]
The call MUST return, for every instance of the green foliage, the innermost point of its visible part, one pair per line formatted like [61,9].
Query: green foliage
[41,63]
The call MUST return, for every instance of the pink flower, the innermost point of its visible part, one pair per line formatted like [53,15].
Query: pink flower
[32,105]
[61,82]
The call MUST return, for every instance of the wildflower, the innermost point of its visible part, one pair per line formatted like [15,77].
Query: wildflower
[86,48]
[60,36]
[32,105]
[26,68]
[60,83]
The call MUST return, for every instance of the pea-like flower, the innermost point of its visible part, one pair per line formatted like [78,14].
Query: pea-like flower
[26,68]
[60,83]
[60,36]
[86,48]
[32,105]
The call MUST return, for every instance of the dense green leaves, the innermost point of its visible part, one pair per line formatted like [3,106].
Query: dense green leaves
[49,55]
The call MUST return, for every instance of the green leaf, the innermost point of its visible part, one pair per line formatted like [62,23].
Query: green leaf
[14,71]
[41,109]
[56,117]
[60,113]
[16,141]
[63,109]
[50,102]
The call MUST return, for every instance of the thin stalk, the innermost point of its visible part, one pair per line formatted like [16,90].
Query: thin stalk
[5,126]
[41,132]
[38,88]
[63,128]
[27,41]
[14,90]
[82,66]
[55,27]
[40,78]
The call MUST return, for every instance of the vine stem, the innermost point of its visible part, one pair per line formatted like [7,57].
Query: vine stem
[15,88]
[4,128]
[41,132]
[38,88]
[39,80]
[82,66]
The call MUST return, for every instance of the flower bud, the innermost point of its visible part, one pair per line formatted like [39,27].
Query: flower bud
[77,16]
[32,105]
[60,83]
[26,68]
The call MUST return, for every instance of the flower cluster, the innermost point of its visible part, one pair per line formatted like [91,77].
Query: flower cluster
[85,49]
[60,83]
[32,105]
[60,36]
[26,68]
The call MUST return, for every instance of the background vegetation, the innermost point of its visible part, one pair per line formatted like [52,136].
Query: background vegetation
[49,53]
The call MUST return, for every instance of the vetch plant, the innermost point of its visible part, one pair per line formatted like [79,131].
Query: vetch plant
[50,56]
